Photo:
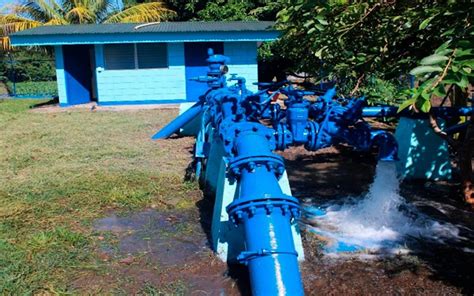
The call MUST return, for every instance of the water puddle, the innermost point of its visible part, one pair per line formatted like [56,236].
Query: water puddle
[162,247]
[165,238]
[381,222]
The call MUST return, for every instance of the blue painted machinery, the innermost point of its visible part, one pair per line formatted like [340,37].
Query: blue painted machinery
[232,119]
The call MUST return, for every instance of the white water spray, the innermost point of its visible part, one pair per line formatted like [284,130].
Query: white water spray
[379,222]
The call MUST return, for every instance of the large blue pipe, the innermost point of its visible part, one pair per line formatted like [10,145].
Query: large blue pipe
[266,214]
[390,111]
[179,122]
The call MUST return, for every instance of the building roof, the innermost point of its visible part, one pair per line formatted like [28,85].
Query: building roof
[163,27]
[146,32]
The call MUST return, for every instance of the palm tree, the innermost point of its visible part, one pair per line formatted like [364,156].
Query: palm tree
[34,13]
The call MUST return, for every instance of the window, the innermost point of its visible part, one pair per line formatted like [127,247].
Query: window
[119,56]
[136,56]
[152,55]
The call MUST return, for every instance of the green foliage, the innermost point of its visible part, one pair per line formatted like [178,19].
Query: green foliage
[348,40]
[452,63]
[216,10]
[33,71]
[28,65]
[383,92]
[33,88]
[221,10]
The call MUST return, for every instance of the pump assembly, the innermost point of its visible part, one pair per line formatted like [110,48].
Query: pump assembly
[255,215]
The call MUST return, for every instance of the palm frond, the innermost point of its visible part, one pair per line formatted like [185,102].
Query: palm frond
[11,23]
[102,8]
[146,12]
[80,15]
[40,10]
[5,43]
[67,4]
[56,22]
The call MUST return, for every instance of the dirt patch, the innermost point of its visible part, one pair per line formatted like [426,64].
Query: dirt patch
[328,173]
[161,251]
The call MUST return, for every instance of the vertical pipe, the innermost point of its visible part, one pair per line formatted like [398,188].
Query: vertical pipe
[266,214]
[272,260]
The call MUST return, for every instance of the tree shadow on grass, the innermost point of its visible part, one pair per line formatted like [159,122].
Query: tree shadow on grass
[53,101]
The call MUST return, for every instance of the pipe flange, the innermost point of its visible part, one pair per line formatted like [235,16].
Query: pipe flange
[272,162]
[313,128]
[248,207]
[284,137]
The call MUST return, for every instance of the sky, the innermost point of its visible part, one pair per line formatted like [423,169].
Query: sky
[4,2]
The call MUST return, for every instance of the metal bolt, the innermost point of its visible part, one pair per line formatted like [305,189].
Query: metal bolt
[251,166]
[252,210]
[281,170]
[236,171]
[269,209]
[295,212]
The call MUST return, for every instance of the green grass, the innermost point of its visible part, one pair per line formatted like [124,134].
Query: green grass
[60,171]
[34,88]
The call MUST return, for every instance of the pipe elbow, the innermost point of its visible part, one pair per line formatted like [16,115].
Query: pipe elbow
[386,144]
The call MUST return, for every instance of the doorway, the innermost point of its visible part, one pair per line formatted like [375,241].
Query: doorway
[78,73]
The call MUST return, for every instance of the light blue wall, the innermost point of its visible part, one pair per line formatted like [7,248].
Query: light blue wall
[144,84]
[115,87]
[60,75]
[243,61]
[166,85]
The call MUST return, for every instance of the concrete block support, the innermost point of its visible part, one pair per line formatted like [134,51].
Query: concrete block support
[422,153]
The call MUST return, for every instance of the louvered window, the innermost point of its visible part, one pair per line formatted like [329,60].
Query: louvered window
[119,56]
[136,56]
[152,55]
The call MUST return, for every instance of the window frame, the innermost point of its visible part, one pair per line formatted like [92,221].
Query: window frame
[135,58]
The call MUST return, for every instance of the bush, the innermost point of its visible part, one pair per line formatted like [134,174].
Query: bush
[34,88]
[28,66]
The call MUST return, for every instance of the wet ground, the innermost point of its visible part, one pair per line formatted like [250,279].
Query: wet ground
[430,268]
[167,251]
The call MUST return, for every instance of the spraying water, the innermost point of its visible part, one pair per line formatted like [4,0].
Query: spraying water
[380,222]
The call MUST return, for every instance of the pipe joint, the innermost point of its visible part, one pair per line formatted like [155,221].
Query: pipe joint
[244,209]
[272,162]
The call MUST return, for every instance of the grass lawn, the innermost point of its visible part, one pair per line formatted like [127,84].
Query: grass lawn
[60,171]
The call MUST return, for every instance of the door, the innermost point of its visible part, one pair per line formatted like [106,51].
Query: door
[78,73]
[195,55]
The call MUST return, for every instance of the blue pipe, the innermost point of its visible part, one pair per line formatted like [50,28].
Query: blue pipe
[266,214]
[386,143]
[179,122]
[391,111]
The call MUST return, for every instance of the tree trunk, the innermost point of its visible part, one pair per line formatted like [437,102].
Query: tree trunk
[466,148]
[465,164]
